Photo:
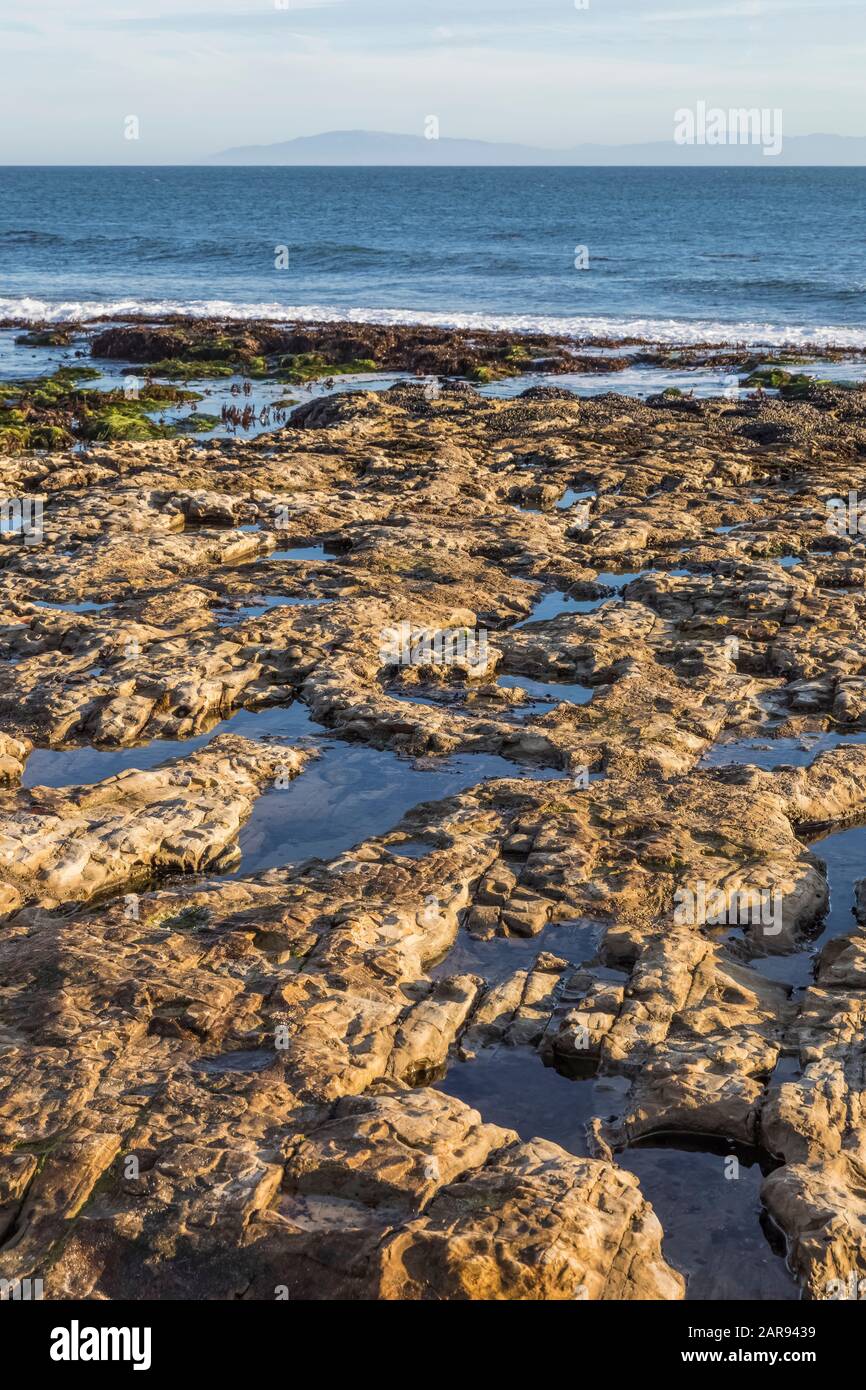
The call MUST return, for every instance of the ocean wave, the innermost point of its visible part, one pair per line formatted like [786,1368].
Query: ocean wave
[24,236]
[661,330]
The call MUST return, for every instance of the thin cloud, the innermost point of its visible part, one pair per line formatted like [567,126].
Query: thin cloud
[746,9]
[197,21]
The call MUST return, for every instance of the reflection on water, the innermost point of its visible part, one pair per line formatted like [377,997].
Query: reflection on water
[234,1062]
[615,580]
[777,752]
[85,607]
[350,794]
[300,552]
[571,495]
[411,849]
[547,693]
[78,767]
[575,942]
[551,605]
[511,1086]
[716,1232]
[262,604]
[843,851]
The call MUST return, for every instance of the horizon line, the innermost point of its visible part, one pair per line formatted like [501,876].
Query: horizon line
[681,166]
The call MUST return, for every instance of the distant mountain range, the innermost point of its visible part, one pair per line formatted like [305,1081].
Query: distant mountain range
[373,147]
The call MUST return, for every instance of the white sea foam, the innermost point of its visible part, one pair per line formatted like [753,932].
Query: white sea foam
[654,330]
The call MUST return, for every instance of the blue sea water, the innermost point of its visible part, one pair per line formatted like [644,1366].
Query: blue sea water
[764,256]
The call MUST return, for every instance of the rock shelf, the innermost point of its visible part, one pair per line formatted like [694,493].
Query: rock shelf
[218,1082]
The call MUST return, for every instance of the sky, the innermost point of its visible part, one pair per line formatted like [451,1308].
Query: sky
[204,75]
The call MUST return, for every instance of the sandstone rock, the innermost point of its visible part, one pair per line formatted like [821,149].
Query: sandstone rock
[61,846]
[480,1238]
[265,1048]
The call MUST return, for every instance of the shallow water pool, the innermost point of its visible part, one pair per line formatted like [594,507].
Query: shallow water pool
[78,767]
[351,793]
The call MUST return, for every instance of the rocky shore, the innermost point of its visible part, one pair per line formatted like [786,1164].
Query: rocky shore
[131,380]
[224,1083]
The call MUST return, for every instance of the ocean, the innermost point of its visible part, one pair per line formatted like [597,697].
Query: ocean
[769,256]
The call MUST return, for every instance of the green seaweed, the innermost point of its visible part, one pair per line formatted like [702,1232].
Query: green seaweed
[188,369]
[773,377]
[799,387]
[52,412]
[792,386]
[310,366]
[46,391]
[196,423]
[17,434]
[119,422]
[216,358]
[127,420]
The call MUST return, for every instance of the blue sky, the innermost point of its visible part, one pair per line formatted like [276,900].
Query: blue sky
[202,75]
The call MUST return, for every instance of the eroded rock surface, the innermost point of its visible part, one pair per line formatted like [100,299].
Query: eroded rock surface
[223,1084]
